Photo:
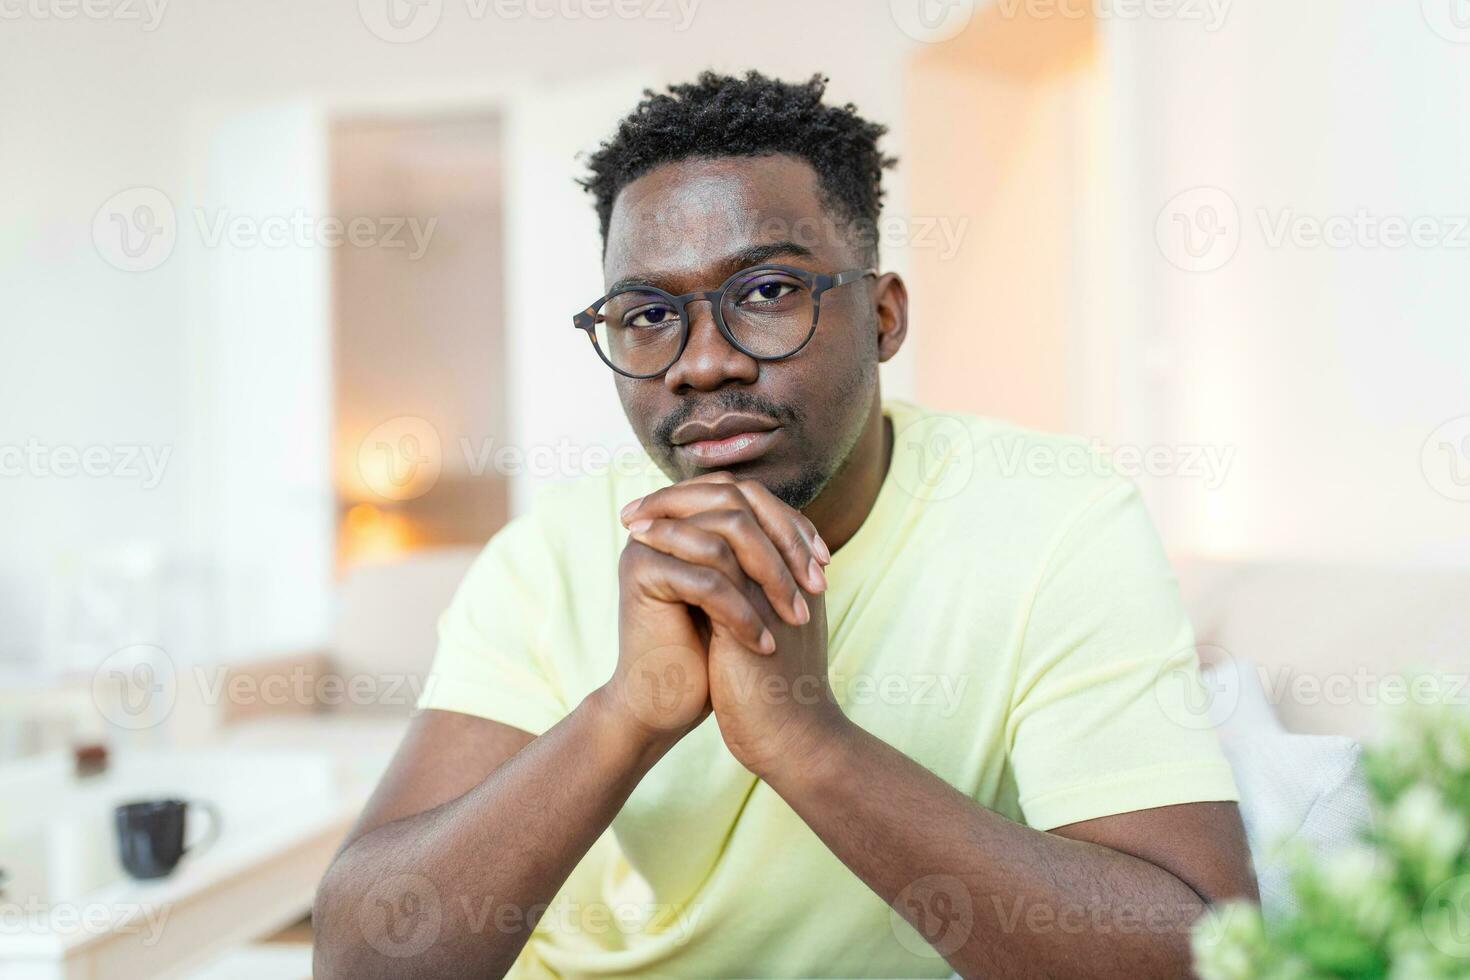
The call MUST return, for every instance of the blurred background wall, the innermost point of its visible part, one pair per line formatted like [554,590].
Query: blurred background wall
[1107,219]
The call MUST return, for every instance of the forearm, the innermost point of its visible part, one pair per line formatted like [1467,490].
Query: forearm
[995,897]
[487,860]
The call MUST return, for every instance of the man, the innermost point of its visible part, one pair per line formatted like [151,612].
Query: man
[951,697]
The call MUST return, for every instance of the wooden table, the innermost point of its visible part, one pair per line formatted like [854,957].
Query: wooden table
[67,909]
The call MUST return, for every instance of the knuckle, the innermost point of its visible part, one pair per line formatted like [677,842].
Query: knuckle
[732,497]
[703,578]
[634,557]
[738,521]
[717,549]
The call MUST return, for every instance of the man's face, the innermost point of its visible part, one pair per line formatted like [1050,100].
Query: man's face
[686,227]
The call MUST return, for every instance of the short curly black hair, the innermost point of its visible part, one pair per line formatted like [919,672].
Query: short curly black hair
[722,115]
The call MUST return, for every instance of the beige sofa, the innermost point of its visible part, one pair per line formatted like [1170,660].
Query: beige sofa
[1301,662]
[1332,644]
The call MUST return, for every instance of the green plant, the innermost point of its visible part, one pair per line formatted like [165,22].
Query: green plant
[1394,905]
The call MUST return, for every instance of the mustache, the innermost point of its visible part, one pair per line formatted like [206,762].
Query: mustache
[727,400]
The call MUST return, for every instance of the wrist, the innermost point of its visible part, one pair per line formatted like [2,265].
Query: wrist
[811,749]
[616,721]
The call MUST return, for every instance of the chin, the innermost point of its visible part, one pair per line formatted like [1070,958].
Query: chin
[796,487]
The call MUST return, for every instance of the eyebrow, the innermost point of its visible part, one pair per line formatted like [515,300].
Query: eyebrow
[729,265]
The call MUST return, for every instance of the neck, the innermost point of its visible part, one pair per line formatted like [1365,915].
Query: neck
[848,497]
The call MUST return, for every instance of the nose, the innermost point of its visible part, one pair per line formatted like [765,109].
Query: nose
[709,361]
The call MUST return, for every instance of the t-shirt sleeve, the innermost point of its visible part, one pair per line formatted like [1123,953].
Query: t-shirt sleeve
[491,659]
[1108,714]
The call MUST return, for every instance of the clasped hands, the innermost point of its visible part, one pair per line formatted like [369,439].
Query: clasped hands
[721,609]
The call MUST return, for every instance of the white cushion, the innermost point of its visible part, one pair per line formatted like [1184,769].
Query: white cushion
[1303,790]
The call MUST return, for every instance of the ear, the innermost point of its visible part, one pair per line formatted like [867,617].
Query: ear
[891,298]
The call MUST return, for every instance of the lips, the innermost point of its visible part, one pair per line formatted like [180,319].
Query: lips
[727,440]
[731,424]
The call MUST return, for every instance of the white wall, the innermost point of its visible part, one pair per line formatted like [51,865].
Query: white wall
[1325,368]
[262,493]
[88,107]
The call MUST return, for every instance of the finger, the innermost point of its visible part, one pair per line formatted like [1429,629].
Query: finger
[789,529]
[732,542]
[784,526]
[793,533]
[669,579]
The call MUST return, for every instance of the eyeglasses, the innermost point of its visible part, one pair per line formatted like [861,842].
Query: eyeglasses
[767,311]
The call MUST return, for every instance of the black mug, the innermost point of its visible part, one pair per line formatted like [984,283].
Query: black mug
[150,835]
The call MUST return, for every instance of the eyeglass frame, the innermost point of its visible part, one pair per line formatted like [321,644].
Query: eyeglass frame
[817,282]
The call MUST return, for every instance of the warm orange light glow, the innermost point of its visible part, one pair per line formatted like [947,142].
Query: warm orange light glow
[372,534]
[363,518]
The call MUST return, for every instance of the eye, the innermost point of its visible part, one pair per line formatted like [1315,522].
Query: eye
[768,291]
[650,316]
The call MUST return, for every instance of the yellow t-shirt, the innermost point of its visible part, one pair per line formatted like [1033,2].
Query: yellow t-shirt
[1005,617]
